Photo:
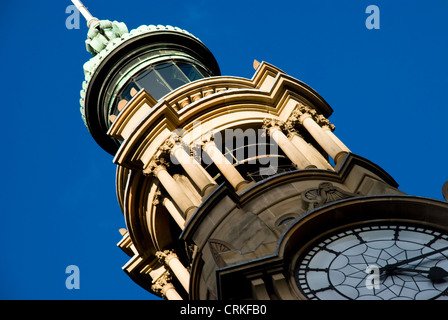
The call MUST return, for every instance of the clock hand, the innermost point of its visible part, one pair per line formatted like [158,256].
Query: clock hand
[392,266]
[437,273]
[434,273]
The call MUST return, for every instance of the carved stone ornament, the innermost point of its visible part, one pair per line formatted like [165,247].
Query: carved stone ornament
[217,247]
[162,281]
[272,123]
[157,162]
[322,121]
[169,143]
[302,109]
[157,198]
[325,193]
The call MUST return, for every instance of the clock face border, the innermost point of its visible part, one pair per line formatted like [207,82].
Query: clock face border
[316,224]
[386,226]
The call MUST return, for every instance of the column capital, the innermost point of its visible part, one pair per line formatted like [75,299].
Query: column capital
[324,122]
[156,164]
[303,108]
[207,138]
[270,123]
[290,128]
[170,143]
[302,112]
[166,255]
[171,147]
[162,283]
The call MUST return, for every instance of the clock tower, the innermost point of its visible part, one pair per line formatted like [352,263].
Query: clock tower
[235,188]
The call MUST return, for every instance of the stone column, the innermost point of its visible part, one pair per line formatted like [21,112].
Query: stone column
[172,261]
[171,208]
[195,171]
[321,137]
[224,165]
[305,116]
[177,216]
[329,128]
[315,157]
[309,151]
[165,287]
[170,292]
[158,168]
[273,128]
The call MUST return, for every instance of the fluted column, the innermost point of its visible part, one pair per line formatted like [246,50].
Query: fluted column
[172,261]
[273,128]
[224,165]
[203,181]
[158,168]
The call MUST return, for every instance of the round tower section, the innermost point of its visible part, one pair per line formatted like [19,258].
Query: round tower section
[158,59]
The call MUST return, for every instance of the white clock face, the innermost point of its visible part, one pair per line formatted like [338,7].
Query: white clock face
[376,261]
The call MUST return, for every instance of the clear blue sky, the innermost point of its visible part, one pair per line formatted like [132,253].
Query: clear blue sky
[388,89]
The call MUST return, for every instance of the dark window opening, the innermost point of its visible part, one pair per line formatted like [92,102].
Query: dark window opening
[255,156]
[160,79]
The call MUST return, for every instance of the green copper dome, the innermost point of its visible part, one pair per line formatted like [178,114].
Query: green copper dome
[158,59]
[103,37]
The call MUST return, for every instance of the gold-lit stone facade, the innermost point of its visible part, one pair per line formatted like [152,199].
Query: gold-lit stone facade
[175,207]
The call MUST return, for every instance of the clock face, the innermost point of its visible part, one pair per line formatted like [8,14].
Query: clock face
[375,261]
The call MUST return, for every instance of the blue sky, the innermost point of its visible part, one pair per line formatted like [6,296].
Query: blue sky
[387,87]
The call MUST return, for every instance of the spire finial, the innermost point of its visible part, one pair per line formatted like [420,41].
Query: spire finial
[100,32]
[86,14]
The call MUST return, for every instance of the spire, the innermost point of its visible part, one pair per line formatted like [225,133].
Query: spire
[86,14]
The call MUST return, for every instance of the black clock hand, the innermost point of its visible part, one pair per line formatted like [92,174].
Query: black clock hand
[392,266]
[434,273]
